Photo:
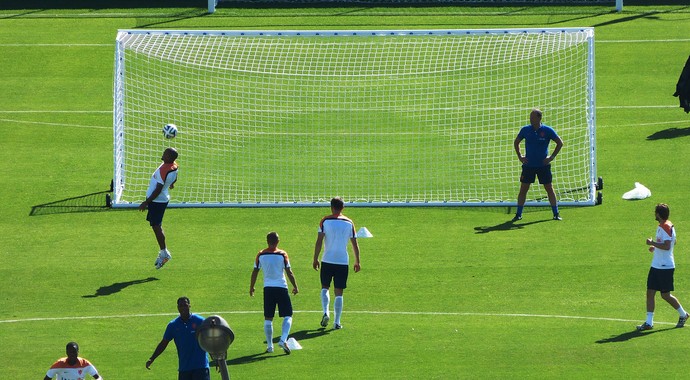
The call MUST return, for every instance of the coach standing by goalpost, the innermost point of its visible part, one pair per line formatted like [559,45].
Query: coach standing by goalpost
[536,162]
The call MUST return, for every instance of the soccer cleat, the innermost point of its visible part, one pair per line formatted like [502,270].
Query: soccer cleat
[163,257]
[337,326]
[557,217]
[269,350]
[682,320]
[516,218]
[324,320]
[645,326]
[285,347]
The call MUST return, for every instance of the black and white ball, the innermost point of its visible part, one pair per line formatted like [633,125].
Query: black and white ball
[170,131]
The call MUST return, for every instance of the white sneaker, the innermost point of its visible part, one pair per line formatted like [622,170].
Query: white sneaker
[324,320]
[269,350]
[163,257]
[285,347]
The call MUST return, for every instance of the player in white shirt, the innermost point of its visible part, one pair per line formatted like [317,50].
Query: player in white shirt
[72,367]
[157,198]
[275,264]
[335,230]
[660,277]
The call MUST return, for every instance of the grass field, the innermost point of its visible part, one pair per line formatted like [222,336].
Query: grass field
[443,293]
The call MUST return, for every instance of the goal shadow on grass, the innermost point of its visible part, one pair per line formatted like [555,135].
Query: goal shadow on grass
[93,202]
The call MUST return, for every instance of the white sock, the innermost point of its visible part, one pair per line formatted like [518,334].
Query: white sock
[338,308]
[287,324]
[650,318]
[268,330]
[681,311]
[325,300]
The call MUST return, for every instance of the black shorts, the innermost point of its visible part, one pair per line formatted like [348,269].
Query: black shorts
[195,374]
[336,272]
[660,280]
[543,173]
[155,214]
[277,296]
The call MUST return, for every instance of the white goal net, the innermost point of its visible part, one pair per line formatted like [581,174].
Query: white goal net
[380,118]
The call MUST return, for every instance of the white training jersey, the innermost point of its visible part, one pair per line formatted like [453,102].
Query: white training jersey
[166,174]
[273,264]
[65,371]
[338,230]
[663,259]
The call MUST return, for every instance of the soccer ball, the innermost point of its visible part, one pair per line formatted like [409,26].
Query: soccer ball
[170,131]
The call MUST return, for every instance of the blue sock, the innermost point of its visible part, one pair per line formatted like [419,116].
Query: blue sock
[555,210]
[519,210]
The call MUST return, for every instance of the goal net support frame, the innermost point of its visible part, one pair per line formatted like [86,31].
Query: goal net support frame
[379,117]
[212,4]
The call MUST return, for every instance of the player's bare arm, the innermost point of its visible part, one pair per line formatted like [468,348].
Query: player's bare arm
[252,282]
[516,145]
[153,196]
[159,350]
[665,245]
[293,281]
[556,150]
[317,251]
[355,249]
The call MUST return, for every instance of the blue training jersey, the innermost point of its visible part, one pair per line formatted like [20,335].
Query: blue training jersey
[537,143]
[191,356]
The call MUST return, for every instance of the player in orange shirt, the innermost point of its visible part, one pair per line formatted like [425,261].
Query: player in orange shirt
[72,367]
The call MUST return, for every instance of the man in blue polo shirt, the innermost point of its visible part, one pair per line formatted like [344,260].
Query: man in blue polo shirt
[193,361]
[536,162]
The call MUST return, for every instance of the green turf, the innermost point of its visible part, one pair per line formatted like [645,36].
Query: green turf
[444,293]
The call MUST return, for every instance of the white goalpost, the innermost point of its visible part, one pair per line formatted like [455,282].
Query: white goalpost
[381,118]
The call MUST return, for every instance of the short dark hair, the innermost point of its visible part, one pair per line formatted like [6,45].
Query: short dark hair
[173,153]
[72,344]
[183,298]
[272,238]
[663,210]
[337,203]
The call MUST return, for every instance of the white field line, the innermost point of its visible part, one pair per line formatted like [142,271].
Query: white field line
[57,45]
[430,313]
[109,127]
[55,124]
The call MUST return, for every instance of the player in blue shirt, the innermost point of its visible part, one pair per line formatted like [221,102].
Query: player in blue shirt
[193,361]
[536,163]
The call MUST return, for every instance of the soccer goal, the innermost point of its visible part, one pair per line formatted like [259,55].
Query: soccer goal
[381,118]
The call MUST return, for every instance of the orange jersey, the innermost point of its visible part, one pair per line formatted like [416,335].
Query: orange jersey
[77,371]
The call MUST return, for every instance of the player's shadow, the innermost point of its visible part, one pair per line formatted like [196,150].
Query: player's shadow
[310,334]
[247,359]
[670,133]
[298,335]
[626,336]
[94,202]
[505,226]
[118,286]
[307,334]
